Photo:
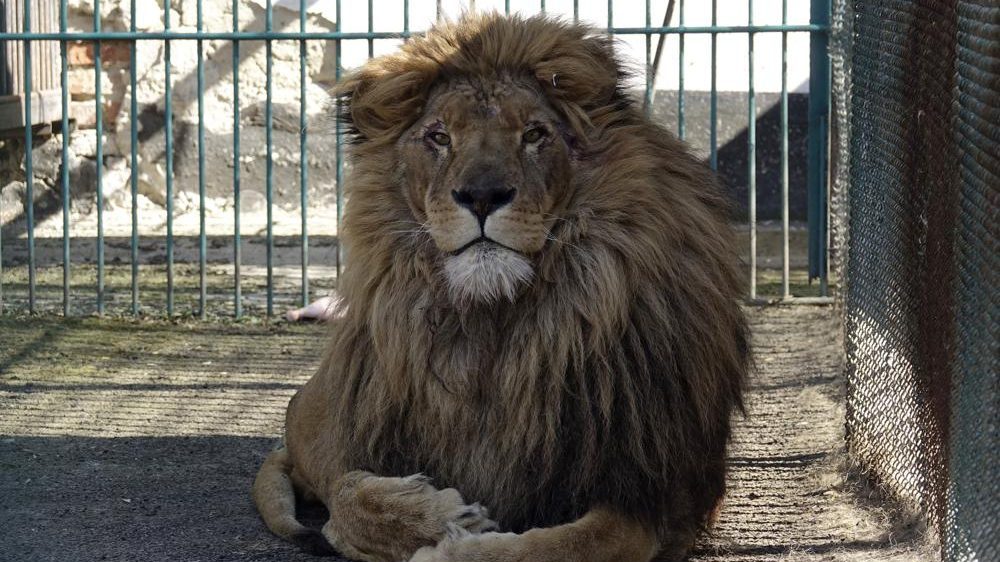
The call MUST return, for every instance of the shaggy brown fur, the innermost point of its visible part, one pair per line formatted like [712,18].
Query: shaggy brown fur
[596,401]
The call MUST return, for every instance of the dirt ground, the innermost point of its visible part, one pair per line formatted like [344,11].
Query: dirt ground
[138,440]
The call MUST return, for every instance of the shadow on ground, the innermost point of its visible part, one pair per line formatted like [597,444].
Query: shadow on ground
[138,440]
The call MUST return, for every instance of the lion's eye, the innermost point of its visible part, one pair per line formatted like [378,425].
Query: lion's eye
[533,135]
[439,138]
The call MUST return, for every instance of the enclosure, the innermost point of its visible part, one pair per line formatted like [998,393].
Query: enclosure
[181,189]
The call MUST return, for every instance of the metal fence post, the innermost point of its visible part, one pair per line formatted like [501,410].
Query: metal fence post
[819,114]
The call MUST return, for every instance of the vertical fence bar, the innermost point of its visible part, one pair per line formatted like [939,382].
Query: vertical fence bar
[406,19]
[269,142]
[611,15]
[237,250]
[785,255]
[713,104]
[202,246]
[29,167]
[680,75]
[303,157]
[64,172]
[648,101]
[752,155]
[576,11]
[339,146]
[168,128]
[1,263]
[541,5]
[134,148]
[825,193]
[371,28]
[437,15]
[819,107]
[99,155]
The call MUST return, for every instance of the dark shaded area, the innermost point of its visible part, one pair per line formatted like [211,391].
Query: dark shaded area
[733,161]
[151,498]
[733,140]
[164,496]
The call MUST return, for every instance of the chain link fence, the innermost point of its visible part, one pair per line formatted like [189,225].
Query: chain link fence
[921,154]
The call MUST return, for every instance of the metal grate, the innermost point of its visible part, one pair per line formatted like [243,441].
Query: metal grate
[129,300]
[921,312]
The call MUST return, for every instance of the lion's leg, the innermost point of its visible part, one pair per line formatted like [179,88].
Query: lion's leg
[601,535]
[381,519]
[274,495]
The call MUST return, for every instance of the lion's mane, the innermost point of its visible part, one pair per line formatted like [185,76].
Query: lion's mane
[612,378]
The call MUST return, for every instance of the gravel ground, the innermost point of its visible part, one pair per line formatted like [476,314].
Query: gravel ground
[129,440]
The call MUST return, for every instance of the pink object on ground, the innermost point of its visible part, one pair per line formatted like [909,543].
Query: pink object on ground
[321,310]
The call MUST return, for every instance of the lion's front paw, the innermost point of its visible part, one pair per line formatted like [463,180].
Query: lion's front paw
[383,518]
[461,546]
[473,518]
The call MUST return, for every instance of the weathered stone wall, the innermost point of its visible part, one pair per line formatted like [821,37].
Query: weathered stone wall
[150,94]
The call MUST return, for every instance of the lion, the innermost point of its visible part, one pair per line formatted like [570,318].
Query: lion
[542,342]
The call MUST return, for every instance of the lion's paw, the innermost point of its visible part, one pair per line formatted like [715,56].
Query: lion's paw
[461,546]
[468,519]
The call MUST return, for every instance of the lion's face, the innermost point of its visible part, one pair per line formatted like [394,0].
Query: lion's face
[485,166]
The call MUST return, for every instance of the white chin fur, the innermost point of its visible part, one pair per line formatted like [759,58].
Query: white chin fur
[486,272]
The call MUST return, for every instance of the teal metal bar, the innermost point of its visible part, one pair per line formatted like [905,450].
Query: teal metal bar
[64,175]
[785,255]
[714,29]
[611,18]
[349,36]
[648,100]
[680,74]
[202,246]
[237,249]
[99,154]
[29,167]
[824,216]
[134,179]
[406,19]
[506,7]
[542,6]
[752,157]
[303,153]
[819,111]
[371,29]
[576,10]
[168,119]
[713,108]
[340,149]
[269,141]
[1,263]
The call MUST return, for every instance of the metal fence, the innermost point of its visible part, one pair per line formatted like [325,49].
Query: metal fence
[922,313]
[29,39]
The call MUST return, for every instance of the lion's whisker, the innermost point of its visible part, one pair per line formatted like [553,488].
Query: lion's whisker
[563,242]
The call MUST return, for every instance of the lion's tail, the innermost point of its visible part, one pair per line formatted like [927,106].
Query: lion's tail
[275,499]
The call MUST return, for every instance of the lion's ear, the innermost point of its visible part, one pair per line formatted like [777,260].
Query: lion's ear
[381,100]
[584,73]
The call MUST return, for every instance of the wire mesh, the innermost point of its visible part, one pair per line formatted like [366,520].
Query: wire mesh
[921,315]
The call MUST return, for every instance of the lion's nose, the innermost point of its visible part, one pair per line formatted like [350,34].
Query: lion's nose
[483,198]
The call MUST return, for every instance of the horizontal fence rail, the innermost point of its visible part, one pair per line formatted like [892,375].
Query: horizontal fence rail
[25,37]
